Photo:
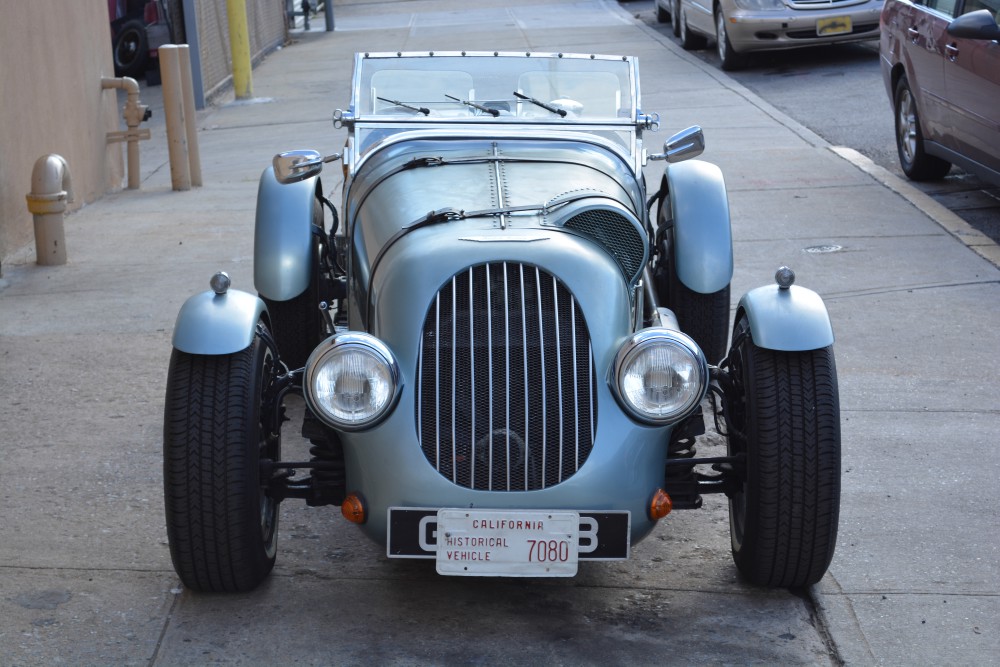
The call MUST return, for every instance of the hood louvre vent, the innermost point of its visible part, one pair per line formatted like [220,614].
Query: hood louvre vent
[616,234]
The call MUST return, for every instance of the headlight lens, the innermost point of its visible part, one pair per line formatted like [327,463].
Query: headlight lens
[351,381]
[759,5]
[660,375]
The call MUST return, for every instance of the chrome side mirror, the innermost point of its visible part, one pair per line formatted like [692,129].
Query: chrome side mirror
[684,145]
[295,166]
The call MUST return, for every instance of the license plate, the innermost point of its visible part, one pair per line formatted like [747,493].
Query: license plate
[502,543]
[412,532]
[834,25]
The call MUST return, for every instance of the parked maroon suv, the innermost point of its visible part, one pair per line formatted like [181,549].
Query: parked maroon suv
[941,66]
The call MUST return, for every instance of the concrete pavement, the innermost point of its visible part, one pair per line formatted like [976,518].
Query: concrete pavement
[85,575]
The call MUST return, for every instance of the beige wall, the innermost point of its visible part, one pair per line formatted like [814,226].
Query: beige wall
[53,54]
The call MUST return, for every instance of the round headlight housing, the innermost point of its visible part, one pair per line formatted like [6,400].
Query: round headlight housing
[660,376]
[351,381]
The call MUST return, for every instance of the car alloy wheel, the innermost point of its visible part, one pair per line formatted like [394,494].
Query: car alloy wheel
[916,164]
[728,58]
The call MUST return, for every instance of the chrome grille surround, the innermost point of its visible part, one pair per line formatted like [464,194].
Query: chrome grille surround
[506,387]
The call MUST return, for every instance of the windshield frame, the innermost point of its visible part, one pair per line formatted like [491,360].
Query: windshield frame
[367,66]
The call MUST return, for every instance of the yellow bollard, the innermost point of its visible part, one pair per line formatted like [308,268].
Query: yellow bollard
[239,44]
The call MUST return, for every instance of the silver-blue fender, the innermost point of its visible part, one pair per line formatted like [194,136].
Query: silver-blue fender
[792,319]
[210,323]
[282,248]
[703,238]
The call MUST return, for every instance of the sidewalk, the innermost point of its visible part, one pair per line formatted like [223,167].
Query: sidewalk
[85,574]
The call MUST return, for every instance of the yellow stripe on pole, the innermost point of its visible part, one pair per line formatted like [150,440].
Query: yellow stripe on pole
[239,43]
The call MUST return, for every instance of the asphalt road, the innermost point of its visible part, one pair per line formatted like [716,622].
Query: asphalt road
[838,93]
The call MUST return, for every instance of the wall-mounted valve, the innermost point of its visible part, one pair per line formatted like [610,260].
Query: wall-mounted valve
[134,113]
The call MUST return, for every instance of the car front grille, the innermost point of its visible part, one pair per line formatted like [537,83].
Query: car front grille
[506,397]
[822,4]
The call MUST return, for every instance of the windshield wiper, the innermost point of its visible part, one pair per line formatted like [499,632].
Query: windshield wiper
[424,110]
[492,112]
[547,107]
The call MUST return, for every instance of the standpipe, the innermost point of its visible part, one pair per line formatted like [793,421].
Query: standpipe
[51,188]
[134,113]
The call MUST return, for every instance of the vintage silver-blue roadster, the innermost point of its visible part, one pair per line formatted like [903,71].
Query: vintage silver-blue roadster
[504,352]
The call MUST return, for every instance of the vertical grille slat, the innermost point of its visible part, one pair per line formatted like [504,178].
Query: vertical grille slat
[509,328]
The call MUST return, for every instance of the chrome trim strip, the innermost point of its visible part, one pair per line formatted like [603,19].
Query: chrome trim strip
[524,348]
[437,382]
[506,352]
[472,377]
[576,393]
[555,312]
[454,354]
[489,348]
[541,342]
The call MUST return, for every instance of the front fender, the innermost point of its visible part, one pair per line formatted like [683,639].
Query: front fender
[789,320]
[282,244]
[703,238]
[210,323]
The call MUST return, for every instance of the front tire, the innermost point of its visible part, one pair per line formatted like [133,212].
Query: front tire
[915,162]
[704,317]
[785,422]
[221,523]
[729,60]
[689,40]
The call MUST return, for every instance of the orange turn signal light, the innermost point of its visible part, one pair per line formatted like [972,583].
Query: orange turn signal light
[353,508]
[660,505]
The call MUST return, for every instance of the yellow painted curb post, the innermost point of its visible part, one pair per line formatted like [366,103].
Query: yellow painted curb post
[239,44]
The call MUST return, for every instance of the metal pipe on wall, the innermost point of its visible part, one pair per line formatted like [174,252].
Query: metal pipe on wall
[134,113]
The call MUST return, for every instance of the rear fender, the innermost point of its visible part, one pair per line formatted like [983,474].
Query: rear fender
[788,320]
[282,247]
[210,323]
[703,239]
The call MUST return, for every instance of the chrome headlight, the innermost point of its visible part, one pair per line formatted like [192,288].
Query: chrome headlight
[351,381]
[660,376]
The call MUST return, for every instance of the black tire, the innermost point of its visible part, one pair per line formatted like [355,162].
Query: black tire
[296,323]
[221,524]
[915,162]
[704,317]
[296,326]
[662,15]
[689,40]
[131,49]
[675,18]
[786,416]
[729,60]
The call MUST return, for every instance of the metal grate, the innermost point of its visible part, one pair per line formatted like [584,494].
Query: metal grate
[506,383]
[616,234]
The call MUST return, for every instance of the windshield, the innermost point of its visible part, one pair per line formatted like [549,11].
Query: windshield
[495,87]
